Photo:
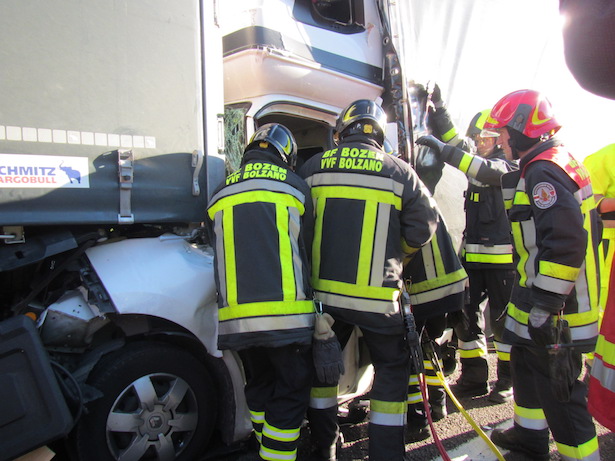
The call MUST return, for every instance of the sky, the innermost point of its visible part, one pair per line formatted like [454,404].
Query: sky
[480,50]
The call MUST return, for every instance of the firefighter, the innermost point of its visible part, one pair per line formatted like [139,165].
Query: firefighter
[437,285]
[601,390]
[262,218]
[371,211]
[602,172]
[601,397]
[555,226]
[486,253]
[436,282]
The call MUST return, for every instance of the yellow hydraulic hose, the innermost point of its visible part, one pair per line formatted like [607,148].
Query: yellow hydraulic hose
[466,415]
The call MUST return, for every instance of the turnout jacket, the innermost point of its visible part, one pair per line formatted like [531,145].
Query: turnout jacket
[487,242]
[262,219]
[436,277]
[371,211]
[556,234]
[601,399]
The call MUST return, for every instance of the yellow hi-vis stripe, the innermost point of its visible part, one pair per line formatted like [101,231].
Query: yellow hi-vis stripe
[387,413]
[503,356]
[606,349]
[450,134]
[323,397]
[521,251]
[277,455]
[281,435]
[357,193]
[289,289]
[440,269]
[350,289]
[585,451]
[521,198]
[255,197]
[387,407]
[488,258]
[465,162]
[257,417]
[324,392]
[472,353]
[593,266]
[520,316]
[265,308]
[229,256]
[559,271]
[319,208]
[367,243]
[530,418]
[421,287]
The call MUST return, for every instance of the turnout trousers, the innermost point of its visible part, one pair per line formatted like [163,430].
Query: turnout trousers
[436,395]
[537,410]
[495,284]
[277,392]
[391,360]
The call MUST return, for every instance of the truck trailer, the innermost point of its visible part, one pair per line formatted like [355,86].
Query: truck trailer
[118,120]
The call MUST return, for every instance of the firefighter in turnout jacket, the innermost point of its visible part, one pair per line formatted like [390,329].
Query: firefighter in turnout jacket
[437,284]
[601,166]
[371,211]
[556,234]
[486,253]
[262,218]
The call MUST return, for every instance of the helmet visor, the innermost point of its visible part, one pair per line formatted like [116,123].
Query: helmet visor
[490,133]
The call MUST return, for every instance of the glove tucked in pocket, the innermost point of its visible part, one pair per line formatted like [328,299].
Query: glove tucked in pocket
[564,364]
[326,351]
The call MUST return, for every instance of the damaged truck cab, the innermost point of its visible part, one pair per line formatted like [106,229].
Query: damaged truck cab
[118,120]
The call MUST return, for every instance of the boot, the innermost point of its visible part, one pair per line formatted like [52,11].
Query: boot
[325,433]
[511,440]
[502,391]
[474,378]
[416,423]
[437,403]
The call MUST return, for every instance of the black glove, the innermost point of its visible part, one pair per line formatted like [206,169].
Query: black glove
[428,167]
[436,97]
[433,143]
[564,364]
[328,360]
[542,327]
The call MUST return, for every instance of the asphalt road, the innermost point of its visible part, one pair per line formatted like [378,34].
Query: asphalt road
[456,434]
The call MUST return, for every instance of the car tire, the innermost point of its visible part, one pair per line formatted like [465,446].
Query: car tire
[159,403]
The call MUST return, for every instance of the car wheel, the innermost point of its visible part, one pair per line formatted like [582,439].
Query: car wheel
[159,403]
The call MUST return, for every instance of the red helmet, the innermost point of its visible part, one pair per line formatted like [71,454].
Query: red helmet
[527,111]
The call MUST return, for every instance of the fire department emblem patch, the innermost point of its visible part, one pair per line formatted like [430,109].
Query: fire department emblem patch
[544,195]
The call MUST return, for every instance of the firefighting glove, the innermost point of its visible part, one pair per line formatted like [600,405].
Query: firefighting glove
[564,364]
[436,97]
[428,167]
[434,144]
[542,327]
[326,351]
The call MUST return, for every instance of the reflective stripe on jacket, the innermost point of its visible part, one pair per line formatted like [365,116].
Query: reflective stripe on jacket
[437,277]
[262,220]
[487,232]
[556,234]
[371,210]
[601,400]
